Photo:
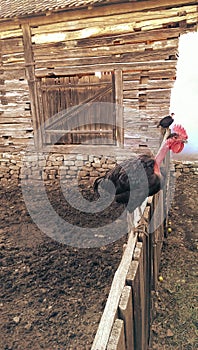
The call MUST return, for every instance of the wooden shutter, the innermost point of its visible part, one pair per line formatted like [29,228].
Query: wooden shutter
[71,100]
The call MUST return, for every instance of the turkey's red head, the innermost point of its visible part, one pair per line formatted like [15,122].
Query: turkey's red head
[177,139]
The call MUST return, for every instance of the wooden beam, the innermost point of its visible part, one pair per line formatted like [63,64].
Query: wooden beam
[119,107]
[30,71]
[83,132]
[104,67]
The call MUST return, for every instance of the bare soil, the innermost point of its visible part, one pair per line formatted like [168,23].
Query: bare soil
[53,295]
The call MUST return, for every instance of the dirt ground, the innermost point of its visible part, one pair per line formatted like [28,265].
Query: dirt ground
[53,295]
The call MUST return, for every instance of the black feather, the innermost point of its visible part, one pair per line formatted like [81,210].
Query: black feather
[133,181]
[166,122]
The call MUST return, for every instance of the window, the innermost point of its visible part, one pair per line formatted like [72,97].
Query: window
[72,111]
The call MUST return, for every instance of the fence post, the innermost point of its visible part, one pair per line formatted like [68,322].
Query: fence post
[126,314]
[117,340]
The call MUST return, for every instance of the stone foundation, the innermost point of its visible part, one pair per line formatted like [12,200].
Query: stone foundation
[186,167]
[85,168]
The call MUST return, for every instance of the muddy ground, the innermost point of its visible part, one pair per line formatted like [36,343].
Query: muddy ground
[53,295]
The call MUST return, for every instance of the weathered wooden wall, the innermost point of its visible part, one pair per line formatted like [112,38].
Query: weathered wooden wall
[139,39]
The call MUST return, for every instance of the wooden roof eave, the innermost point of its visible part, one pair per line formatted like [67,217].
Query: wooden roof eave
[59,15]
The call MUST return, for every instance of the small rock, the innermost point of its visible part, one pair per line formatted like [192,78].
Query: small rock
[16,319]
[28,326]
[169,333]
[177,174]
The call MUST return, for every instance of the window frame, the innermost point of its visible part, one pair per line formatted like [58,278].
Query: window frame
[38,118]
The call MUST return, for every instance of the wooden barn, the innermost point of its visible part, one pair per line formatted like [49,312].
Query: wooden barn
[85,75]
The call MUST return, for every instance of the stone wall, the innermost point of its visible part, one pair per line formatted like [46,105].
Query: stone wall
[17,166]
[85,167]
[186,167]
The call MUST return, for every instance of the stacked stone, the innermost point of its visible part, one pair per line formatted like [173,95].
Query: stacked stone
[10,165]
[34,166]
[84,168]
[94,168]
[186,167]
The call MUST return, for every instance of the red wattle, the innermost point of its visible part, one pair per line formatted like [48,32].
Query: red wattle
[177,147]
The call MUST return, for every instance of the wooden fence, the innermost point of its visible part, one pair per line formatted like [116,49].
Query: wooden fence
[125,323]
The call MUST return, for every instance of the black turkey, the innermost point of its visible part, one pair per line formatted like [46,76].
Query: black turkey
[134,180]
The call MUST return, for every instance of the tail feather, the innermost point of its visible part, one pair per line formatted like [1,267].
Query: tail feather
[96,183]
[105,183]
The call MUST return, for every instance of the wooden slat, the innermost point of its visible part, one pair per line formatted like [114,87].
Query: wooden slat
[41,52]
[68,115]
[133,279]
[126,314]
[124,23]
[130,17]
[95,12]
[138,256]
[124,57]
[117,339]
[74,69]
[87,131]
[146,268]
[107,319]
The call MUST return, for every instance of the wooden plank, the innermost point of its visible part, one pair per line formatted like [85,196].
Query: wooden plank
[119,107]
[74,69]
[15,33]
[146,268]
[159,23]
[10,46]
[155,266]
[107,319]
[124,23]
[29,60]
[151,55]
[133,279]
[138,256]
[86,131]
[123,39]
[117,340]
[69,114]
[105,10]
[18,73]
[18,119]
[74,25]
[126,314]
[15,127]
[42,51]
